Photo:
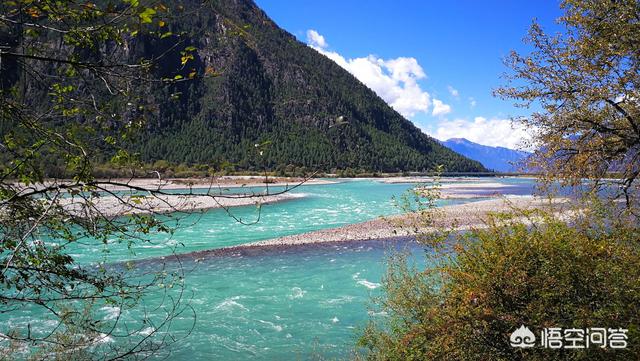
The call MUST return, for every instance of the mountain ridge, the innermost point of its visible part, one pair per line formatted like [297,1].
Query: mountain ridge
[252,95]
[497,158]
[273,88]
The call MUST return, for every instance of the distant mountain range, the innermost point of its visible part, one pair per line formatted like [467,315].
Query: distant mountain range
[500,159]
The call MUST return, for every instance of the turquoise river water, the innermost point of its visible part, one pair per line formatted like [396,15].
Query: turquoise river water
[273,304]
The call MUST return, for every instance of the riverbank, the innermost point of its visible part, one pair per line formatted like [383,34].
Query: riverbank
[213,184]
[399,227]
[462,216]
[446,179]
[159,196]
[165,184]
[111,206]
[221,182]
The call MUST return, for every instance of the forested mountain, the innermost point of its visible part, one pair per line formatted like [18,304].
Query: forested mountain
[245,82]
[271,87]
[499,159]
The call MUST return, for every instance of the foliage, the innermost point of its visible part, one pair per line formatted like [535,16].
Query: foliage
[540,273]
[68,98]
[542,268]
[586,81]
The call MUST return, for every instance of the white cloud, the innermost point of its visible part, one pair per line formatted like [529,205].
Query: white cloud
[394,80]
[492,132]
[472,102]
[440,108]
[315,39]
[453,91]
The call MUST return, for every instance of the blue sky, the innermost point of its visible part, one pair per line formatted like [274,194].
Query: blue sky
[436,62]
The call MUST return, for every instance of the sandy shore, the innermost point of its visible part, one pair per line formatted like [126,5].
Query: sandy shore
[427,179]
[223,182]
[459,187]
[463,216]
[471,190]
[111,206]
[215,183]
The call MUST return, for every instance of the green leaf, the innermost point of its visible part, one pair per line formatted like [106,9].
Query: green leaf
[146,16]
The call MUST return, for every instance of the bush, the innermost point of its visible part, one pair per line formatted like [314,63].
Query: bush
[466,304]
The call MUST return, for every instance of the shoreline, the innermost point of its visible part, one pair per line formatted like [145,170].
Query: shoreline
[250,249]
[166,184]
[386,229]
[459,216]
[446,179]
[224,182]
[163,202]
[110,206]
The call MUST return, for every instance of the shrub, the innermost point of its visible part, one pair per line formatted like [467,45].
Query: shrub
[542,274]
